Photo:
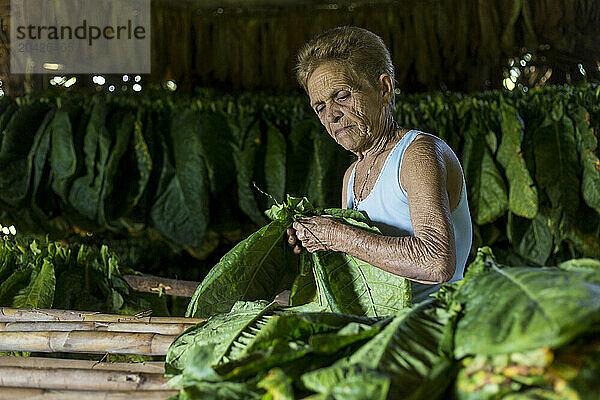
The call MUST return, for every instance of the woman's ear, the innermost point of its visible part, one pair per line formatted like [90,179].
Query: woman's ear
[387,87]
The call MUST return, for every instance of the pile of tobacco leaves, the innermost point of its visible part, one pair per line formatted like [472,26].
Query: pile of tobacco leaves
[36,272]
[351,333]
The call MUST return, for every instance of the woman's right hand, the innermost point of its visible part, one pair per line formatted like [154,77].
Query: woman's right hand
[293,241]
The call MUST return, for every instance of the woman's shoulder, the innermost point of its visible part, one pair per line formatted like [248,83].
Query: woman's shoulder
[430,147]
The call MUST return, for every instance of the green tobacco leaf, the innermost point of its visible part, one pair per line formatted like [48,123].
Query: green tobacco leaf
[252,270]
[40,291]
[487,195]
[280,352]
[348,285]
[37,161]
[198,368]
[331,343]
[180,211]
[522,194]
[275,163]
[345,214]
[84,195]
[277,385]
[11,285]
[7,109]
[581,264]
[144,161]
[304,288]
[284,326]
[514,309]
[216,139]
[27,123]
[298,154]
[531,238]
[557,169]
[417,369]
[122,124]
[324,150]
[351,382]
[222,330]
[282,338]
[244,159]
[219,391]
[587,145]
[63,158]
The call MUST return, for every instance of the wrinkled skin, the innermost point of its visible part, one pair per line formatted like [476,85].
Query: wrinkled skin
[430,174]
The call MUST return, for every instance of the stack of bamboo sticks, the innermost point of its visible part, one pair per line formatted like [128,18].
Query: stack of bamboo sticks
[40,330]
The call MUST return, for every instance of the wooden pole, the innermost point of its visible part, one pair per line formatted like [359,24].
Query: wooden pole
[136,327]
[80,379]
[44,394]
[87,342]
[9,314]
[156,284]
[148,367]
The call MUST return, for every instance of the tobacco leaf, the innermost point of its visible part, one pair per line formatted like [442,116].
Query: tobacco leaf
[244,157]
[514,309]
[40,291]
[180,210]
[487,194]
[121,124]
[522,193]
[63,157]
[275,162]
[25,125]
[252,270]
[587,146]
[557,169]
[416,369]
[348,285]
[84,195]
[37,162]
[216,139]
[532,239]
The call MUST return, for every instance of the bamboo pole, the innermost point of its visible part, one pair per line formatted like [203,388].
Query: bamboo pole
[44,394]
[156,284]
[9,314]
[87,342]
[149,367]
[80,379]
[37,326]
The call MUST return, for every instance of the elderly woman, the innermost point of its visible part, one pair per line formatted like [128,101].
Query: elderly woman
[409,183]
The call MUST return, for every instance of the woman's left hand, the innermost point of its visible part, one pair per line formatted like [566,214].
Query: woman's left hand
[316,233]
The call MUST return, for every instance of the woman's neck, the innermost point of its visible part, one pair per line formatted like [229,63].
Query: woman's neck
[381,143]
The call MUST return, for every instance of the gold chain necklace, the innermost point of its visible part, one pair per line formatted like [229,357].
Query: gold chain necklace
[357,199]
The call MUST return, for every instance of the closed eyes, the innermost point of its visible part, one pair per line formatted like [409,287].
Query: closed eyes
[341,96]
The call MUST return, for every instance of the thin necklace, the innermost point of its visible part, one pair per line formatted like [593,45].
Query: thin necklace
[356,200]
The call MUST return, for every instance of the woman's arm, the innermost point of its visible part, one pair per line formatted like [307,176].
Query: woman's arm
[427,257]
[345,185]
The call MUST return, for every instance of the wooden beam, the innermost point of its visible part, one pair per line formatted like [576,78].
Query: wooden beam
[151,344]
[44,394]
[80,379]
[9,314]
[156,284]
[133,327]
[148,367]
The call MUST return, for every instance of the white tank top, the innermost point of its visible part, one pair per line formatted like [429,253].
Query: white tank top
[387,208]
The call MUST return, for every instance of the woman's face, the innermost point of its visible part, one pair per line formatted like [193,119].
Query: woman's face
[352,116]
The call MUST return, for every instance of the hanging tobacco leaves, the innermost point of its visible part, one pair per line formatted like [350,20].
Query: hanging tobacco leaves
[181,166]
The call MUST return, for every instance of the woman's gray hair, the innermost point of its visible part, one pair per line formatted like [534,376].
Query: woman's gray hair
[362,52]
